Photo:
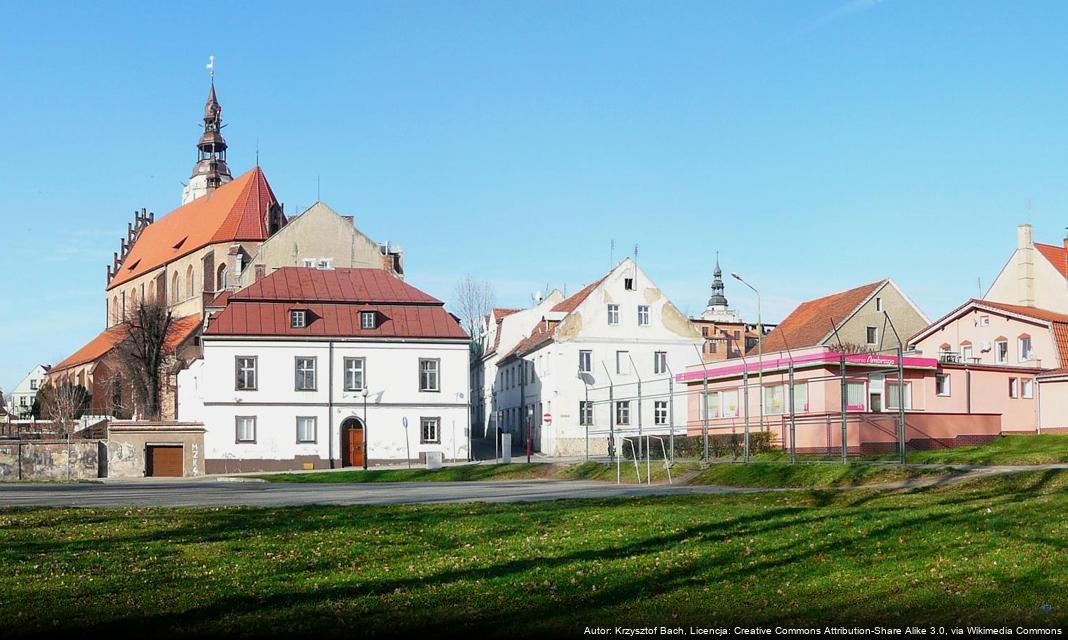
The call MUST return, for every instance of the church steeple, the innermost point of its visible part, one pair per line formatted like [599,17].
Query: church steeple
[717,299]
[210,171]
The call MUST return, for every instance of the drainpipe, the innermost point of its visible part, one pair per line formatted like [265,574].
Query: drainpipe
[330,404]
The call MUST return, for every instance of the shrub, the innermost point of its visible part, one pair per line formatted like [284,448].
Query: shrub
[720,445]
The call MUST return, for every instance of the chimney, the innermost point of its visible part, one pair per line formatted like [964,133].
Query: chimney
[1025,266]
[1023,237]
[1066,237]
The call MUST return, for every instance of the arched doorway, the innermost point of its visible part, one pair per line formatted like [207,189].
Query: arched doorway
[353,443]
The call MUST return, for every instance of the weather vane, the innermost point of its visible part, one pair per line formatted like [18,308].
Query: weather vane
[211,66]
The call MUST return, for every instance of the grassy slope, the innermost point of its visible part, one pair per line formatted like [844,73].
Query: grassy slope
[809,475]
[988,551]
[1039,449]
[446,474]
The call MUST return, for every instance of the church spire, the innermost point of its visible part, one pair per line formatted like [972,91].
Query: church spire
[210,171]
[717,299]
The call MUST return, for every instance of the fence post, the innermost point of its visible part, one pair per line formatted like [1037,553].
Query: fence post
[793,421]
[901,404]
[845,408]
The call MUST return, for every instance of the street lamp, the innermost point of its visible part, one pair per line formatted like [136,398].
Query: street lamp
[760,347]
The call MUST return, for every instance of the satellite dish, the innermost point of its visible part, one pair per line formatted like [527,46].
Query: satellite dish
[537,296]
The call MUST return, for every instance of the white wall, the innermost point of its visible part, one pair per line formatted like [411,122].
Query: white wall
[24,393]
[207,393]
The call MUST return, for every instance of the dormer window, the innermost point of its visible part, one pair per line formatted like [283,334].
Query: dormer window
[325,264]
[367,320]
[298,319]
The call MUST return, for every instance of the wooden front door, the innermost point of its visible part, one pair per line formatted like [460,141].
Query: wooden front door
[354,446]
[164,462]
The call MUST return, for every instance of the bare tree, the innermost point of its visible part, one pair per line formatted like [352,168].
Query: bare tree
[142,355]
[64,402]
[474,300]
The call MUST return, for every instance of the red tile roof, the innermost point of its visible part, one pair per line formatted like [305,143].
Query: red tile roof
[234,212]
[333,300]
[501,313]
[541,334]
[568,305]
[1057,256]
[334,285]
[102,344]
[809,324]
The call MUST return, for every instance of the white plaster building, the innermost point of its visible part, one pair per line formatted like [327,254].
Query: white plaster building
[24,393]
[312,368]
[576,374]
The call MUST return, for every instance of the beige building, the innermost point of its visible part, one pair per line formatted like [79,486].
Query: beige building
[1035,276]
[320,238]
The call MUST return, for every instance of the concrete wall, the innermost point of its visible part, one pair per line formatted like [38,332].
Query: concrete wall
[43,460]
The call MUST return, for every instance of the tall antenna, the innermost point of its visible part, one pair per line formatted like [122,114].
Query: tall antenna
[317,198]
[612,254]
[979,282]
[257,151]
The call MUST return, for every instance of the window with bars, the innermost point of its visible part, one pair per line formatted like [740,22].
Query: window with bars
[430,430]
[354,374]
[305,374]
[245,373]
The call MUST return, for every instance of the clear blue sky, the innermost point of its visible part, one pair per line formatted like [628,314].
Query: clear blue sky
[818,145]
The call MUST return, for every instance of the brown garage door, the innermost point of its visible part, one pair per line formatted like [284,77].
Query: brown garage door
[165,461]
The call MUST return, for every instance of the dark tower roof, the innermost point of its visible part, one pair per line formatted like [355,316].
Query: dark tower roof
[717,299]
[211,158]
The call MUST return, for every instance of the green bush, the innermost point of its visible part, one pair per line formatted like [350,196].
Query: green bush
[720,445]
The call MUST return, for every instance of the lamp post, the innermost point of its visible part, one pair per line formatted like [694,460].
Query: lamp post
[365,438]
[760,347]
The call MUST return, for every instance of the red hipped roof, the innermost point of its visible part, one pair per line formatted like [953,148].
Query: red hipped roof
[333,300]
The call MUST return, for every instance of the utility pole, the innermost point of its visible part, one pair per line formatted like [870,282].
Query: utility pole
[704,399]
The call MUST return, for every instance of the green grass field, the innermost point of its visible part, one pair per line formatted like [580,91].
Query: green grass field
[808,475]
[991,551]
[1039,449]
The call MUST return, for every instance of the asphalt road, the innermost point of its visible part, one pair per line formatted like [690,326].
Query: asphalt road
[212,492]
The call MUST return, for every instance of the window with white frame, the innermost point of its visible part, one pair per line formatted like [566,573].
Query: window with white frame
[33,385]
[367,320]
[1028,387]
[1001,351]
[893,395]
[245,373]
[966,352]
[800,397]
[298,319]
[1014,387]
[325,263]
[1023,345]
[773,400]
[623,412]
[306,429]
[428,374]
[430,430]
[623,362]
[613,314]
[660,412]
[984,321]
[585,361]
[643,315]
[309,263]
[721,404]
[246,429]
[942,385]
[305,374]
[856,399]
[660,362]
[585,412]
[872,335]
[354,374]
